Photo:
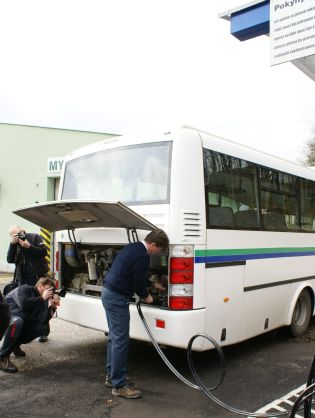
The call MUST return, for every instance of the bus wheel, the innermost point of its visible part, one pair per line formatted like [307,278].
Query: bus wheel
[302,314]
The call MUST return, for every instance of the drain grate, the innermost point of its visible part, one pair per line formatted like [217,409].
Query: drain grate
[285,403]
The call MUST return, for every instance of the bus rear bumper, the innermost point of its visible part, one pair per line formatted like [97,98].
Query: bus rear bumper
[171,328]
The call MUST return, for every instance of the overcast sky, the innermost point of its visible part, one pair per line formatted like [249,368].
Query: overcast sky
[122,66]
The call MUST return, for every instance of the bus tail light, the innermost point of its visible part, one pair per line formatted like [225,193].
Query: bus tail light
[182,263]
[181,278]
[181,290]
[181,303]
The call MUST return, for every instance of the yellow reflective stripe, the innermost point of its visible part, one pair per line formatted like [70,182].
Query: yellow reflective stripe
[46,236]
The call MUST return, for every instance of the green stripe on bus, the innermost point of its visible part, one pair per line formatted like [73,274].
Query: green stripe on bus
[240,251]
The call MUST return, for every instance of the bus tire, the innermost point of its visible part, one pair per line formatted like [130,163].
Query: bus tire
[301,314]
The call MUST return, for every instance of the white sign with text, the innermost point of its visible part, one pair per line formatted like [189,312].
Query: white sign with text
[54,166]
[292,29]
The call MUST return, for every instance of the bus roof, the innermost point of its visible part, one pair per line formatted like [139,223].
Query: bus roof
[211,141]
[248,153]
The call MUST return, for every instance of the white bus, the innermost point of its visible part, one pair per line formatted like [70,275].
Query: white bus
[241,225]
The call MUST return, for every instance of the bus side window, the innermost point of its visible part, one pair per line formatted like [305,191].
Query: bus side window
[275,221]
[307,191]
[230,185]
[246,219]
[221,216]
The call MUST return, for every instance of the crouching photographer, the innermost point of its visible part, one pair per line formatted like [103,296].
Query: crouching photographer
[31,308]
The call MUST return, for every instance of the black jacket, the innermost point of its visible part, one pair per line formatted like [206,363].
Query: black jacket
[30,263]
[26,303]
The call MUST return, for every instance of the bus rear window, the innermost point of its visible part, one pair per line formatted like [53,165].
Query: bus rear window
[135,174]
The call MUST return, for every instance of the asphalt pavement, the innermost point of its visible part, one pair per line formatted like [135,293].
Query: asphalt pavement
[65,376]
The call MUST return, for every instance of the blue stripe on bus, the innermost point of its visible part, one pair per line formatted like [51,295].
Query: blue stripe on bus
[220,258]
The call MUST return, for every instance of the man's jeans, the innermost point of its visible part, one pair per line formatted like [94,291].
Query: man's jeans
[21,332]
[117,313]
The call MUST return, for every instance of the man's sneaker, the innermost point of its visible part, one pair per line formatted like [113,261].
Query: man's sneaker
[109,384]
[43,339]
[18,352]
[127,392]
[7,366]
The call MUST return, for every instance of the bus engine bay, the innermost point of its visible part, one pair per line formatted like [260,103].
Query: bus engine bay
[83,268]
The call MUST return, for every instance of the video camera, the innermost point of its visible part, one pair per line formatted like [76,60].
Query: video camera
[60,292]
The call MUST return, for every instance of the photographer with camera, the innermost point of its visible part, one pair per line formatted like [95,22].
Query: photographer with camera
[31,308]
[28,252]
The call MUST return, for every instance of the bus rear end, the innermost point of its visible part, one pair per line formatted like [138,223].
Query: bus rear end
[160,179]
[171,316]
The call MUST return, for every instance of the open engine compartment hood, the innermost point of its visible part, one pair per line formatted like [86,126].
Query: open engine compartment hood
[74,214]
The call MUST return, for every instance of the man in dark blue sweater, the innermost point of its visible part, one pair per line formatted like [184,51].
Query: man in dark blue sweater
[128,275]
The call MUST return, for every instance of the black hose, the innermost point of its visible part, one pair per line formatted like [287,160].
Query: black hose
[200,385]
[171,367]
[75,244]
[304,398]
[310,381]
[208,392]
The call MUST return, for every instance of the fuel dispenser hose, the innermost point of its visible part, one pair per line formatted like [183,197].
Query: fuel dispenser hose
[305,396]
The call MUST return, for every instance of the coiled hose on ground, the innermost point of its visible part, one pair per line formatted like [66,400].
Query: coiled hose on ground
[304,399]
